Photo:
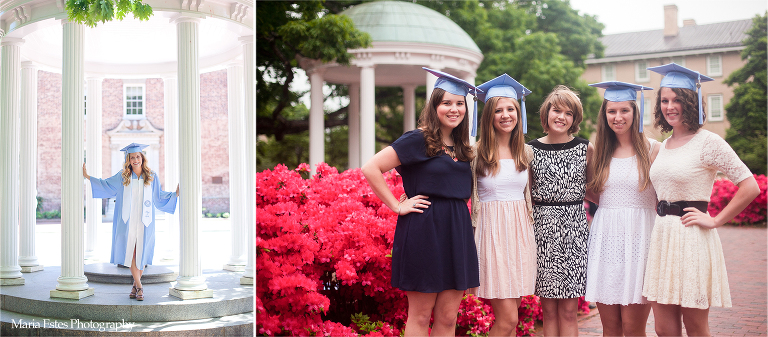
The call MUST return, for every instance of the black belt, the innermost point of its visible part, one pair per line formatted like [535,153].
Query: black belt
[677,208]
[562,203]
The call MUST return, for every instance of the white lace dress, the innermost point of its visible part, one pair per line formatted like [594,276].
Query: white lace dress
[685,265]
[619,236]
[506,246]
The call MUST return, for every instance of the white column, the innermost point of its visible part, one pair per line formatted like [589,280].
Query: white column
[354,126]
[10,83]
[72,282]
[409,107]
[250,156]
[93,131]
[235,101]
[367,113]
[171,143]
[28,168]
[316,119]
[470,108]
[190,282]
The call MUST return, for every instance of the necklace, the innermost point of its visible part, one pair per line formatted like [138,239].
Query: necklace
[449,151]
[562,146]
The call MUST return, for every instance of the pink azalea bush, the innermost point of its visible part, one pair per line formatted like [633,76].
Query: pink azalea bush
[323,260]
[724,190]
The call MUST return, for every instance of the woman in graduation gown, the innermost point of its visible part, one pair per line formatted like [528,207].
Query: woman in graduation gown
[138,193]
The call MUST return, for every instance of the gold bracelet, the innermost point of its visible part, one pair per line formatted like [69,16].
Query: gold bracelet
[398,208]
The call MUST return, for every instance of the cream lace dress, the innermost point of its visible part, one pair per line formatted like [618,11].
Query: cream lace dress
[685,265]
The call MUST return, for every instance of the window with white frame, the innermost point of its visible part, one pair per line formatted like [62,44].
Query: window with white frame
[641,73]
[648,111]
[714,65]
[680,60]
[609,72]
[133,101]
[715,107]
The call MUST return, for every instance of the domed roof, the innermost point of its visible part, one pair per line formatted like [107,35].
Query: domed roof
[396,21]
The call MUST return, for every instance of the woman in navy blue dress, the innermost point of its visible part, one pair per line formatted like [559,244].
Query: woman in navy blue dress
[433,256]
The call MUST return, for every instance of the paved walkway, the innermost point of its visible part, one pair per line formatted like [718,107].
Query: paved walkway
[745,260]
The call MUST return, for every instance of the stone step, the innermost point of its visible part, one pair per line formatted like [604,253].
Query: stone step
[15,324]
[110,302]
[110,273]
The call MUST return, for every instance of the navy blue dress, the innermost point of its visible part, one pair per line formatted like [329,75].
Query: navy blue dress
[435,250]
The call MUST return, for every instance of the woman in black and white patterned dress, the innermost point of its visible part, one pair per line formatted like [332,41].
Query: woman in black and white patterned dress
[559,175]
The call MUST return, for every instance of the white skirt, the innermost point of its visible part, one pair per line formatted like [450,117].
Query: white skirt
[618,248]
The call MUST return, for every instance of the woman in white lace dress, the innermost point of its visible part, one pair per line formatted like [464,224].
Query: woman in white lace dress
[685,273]
[501,204]
[621,229]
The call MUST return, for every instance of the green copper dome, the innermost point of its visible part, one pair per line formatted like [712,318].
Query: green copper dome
[396,21]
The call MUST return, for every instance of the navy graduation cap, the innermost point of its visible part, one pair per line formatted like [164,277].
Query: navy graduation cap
[616,91]
[677,76]
[459,87]
[506,86]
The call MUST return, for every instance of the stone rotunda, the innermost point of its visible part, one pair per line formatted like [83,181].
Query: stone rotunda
[406,37]
[182,39]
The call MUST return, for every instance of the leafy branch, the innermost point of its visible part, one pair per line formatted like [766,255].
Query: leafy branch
[91,12]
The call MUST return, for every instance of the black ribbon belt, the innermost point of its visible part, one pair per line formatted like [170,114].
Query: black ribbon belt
[664,207]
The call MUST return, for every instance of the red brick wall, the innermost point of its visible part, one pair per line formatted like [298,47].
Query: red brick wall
[156,115]
[111,116]
[49,139]
[213,129]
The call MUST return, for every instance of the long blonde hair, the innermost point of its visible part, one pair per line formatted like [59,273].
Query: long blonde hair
[607,143]
[146,173]
[488,149]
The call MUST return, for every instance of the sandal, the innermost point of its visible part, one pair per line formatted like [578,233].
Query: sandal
[140,296]
[133,292]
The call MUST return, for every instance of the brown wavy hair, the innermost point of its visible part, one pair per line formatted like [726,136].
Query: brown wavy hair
[429,124]
[607,143]
[487,148]
[689,103]
[562,96]
[146,173]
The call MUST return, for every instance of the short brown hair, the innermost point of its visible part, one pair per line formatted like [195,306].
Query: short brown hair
[689,102]
[562,96]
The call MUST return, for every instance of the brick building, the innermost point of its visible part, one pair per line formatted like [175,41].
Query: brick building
[712,49]
[213,127]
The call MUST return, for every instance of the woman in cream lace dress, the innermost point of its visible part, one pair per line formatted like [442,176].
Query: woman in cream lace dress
[685,273]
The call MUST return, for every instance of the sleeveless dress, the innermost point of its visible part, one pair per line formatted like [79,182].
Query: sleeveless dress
[506,246]
[435,250]
[685,265]
[560,221]
[620,235]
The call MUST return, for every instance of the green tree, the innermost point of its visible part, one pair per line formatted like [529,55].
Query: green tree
[527,40]
[91,12]
[540,43]
[287,31]
[747,109]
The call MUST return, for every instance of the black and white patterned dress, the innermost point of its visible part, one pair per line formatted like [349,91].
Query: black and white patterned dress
[560,221]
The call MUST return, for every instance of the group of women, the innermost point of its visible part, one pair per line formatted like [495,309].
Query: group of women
[651,245]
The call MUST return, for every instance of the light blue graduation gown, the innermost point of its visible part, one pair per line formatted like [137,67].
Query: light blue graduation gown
[112,187]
